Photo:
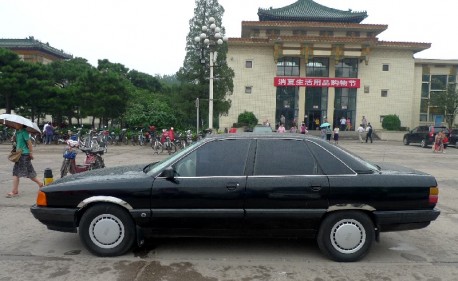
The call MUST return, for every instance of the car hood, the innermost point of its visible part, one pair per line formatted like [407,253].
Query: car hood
[105,174]
[389,168]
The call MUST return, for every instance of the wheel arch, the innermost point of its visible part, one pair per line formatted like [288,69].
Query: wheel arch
[91,201]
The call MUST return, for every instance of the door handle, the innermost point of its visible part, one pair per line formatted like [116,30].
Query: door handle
[232,186]
[316,187]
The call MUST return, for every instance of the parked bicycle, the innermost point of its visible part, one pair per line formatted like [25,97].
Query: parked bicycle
[93,159]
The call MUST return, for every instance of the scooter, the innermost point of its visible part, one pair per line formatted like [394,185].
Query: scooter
[93,159]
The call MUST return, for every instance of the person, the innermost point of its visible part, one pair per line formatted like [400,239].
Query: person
[369,132]
[364,122]
[360,131]
[303,129]
[23,167]
[49,132]
[233,129]
[336,134]
[293,129]
[317,123]
[343,123]
[282,120]
[323,132]
[348,128]
[172,134]
[328,133]
[266,123]
[164,135]
[438,145]
[281,128]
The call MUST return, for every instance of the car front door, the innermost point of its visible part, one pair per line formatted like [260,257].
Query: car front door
[287,189]
[207,190]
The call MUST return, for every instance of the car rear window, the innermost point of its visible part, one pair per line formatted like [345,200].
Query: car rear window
[284,157]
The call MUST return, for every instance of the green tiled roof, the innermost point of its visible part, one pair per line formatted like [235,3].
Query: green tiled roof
[308,10]
[32,44]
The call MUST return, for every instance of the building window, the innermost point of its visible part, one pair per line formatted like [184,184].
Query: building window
[248,89]
[386,67]
[288,66]
[318,67]
[299,32]
[353,34]
[273,32]
[255,33]
[248,64]
[384,93]
[366,89]
[347,68]
[328,33]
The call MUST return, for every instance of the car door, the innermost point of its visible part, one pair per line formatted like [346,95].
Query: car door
[207,190]
[286,189]
[419,134]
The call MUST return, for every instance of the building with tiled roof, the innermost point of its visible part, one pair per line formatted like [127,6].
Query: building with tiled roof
[306,61]
[32,50]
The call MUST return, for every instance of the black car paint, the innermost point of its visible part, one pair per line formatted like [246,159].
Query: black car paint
[248,204]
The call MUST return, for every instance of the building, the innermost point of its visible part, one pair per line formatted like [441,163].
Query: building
[307,61]
[32,50]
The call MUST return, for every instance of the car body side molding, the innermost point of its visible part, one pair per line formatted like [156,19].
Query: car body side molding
[340,207]
[109,199]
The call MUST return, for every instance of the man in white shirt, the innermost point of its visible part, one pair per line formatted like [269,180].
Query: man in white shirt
[343,123]
[360,131]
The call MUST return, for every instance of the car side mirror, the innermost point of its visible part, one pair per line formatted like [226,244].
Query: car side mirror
[168,173]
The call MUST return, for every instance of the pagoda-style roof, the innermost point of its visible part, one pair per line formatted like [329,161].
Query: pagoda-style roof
[309,10]
[32,44]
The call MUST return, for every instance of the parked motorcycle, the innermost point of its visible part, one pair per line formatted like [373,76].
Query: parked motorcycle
[93,159]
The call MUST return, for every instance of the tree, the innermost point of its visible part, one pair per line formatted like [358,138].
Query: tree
[194,72]
[247,119]
[391,122]
[447,103]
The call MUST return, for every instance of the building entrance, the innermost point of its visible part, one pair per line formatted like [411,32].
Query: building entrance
[286,106]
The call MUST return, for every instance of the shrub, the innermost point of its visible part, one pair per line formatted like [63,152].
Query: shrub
[247,119]
[391,123]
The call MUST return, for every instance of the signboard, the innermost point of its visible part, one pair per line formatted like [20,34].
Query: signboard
[319,82]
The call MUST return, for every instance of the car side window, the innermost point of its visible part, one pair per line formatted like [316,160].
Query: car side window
[284,157]
[217,158]
[329,164]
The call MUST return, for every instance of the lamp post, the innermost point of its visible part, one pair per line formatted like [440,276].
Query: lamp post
[211,37]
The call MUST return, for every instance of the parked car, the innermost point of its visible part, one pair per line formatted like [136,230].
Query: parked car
[424,135]
[453,138]
[262,129]
[243,185]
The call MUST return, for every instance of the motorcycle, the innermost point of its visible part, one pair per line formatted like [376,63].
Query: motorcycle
[93,159]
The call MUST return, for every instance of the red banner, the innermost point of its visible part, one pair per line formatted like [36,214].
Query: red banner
[320,82]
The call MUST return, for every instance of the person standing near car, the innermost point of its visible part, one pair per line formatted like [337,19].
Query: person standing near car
[23,167]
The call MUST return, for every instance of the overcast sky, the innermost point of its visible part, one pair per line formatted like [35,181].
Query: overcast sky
[150,35]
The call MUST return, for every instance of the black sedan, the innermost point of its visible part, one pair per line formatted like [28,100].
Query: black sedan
[243,185]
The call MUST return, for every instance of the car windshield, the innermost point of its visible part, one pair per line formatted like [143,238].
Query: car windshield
[155,167]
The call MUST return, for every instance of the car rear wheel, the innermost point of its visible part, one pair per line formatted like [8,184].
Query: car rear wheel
[456,144]
[346,236]
[406,141]
[423,143]
[107,230]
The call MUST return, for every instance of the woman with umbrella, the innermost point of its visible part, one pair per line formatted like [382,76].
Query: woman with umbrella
[23,167]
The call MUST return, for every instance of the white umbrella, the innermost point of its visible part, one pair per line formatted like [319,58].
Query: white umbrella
[326,124]
[11,119]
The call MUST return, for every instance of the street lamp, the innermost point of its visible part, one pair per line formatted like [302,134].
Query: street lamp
[211,37]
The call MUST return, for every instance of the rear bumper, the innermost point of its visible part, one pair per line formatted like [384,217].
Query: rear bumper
[404,220]
[59,219]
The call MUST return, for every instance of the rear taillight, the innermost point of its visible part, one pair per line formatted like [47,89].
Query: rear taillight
[433,195]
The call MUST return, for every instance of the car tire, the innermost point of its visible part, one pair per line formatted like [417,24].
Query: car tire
[346,236]
[423,143]
[406,141]
[107,230]
[456,144]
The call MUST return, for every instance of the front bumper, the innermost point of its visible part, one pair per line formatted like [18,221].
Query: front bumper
[59,219]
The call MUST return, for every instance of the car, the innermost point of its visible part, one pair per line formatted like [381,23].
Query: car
[262,129]
[424,135]
[453,138]
[243,185]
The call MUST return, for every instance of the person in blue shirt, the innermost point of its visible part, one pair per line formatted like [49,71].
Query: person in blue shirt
[23,167]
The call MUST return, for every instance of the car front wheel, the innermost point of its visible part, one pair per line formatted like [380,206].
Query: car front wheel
[107,230]
[346,236]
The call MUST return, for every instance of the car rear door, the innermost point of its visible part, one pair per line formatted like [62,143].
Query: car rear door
[207,191]
[286,189]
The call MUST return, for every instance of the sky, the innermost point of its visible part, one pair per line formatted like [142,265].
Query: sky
[150,35]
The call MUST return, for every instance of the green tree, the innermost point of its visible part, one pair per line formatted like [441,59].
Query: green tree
[247,119]
[447,102]
[194,72]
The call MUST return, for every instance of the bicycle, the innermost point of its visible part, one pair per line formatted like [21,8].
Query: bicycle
[157,146]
